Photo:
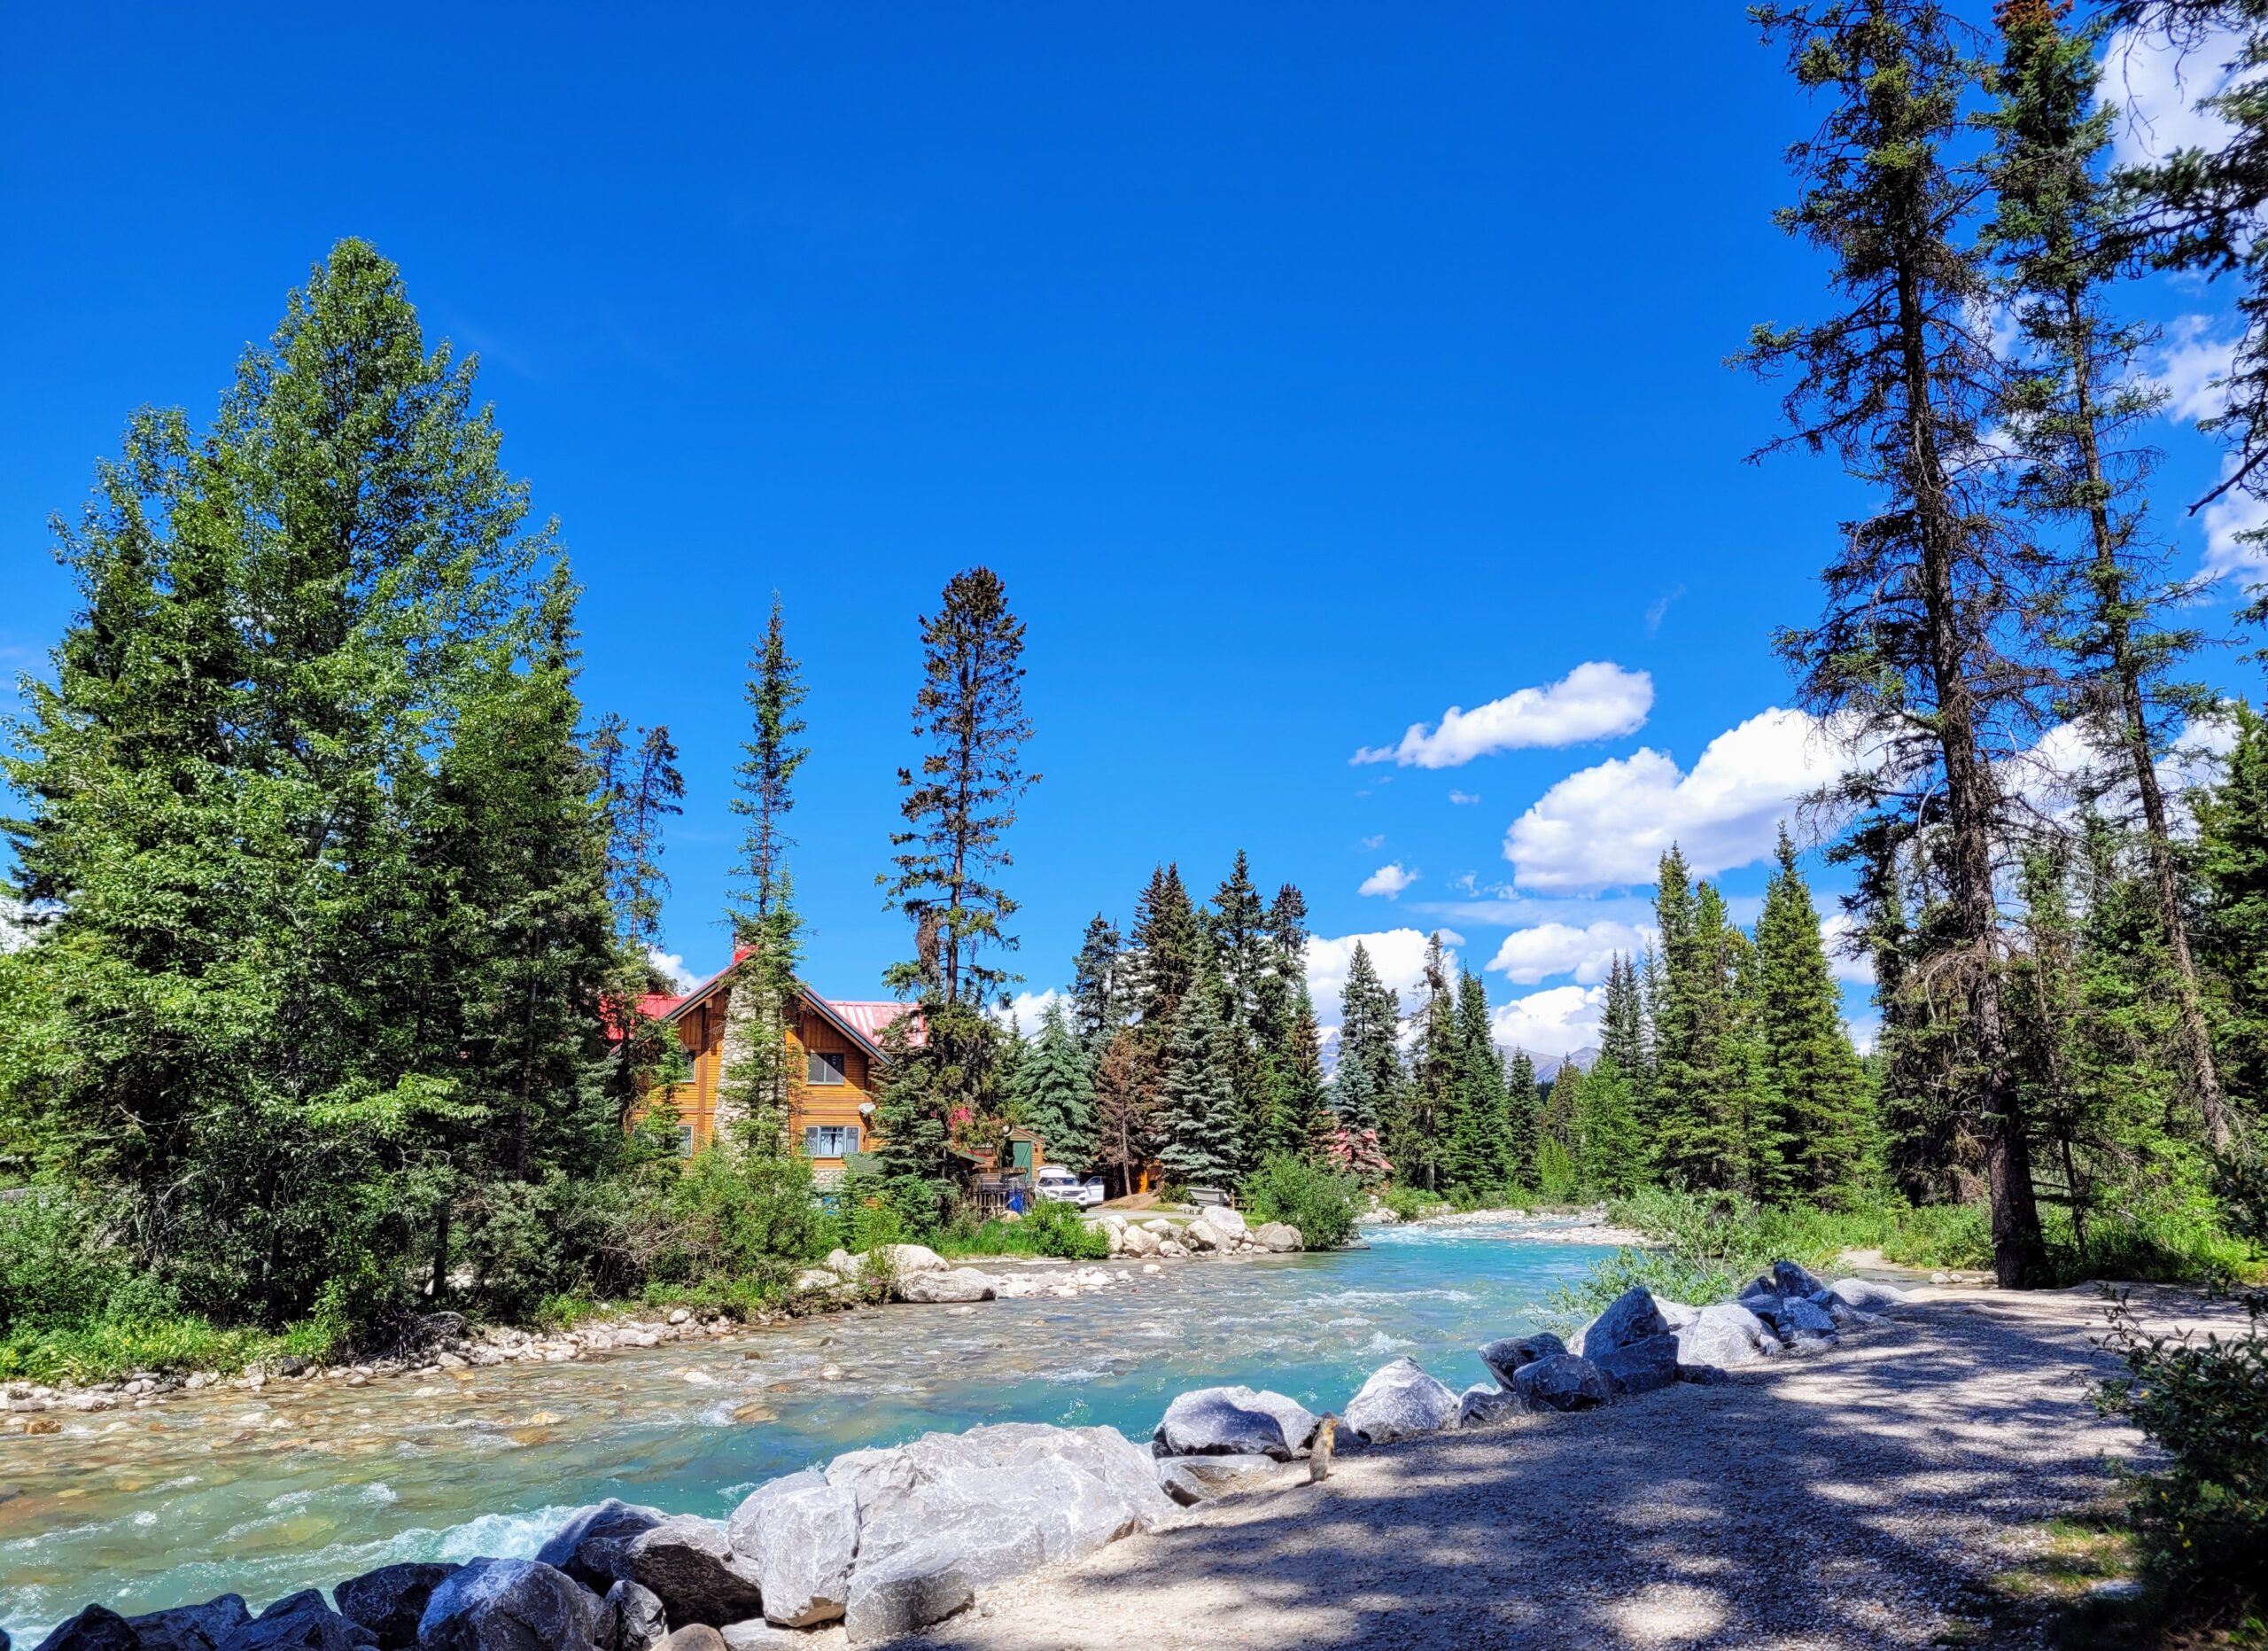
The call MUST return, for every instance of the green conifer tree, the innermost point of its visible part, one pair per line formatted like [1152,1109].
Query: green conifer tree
[1808,1062]
[1056,1093]
[1197,1110]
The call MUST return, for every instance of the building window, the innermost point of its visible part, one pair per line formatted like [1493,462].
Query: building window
[830,1140]
[685,1140]
[821,1067]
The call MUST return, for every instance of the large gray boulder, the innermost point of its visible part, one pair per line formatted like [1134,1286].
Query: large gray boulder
[1563,1382]
[1485,1402]
[589,1546]
[1867,1294]
[908,1591]
[196,1627]
[1189,1479]
[1280,1238]
[690,1563]
[802,1535]
[300,1621]
[391,1600]
[1235,1422]
[949,1284]
[1138,1242]
[1400,1401]
[509,1605]
[631,1618]
[1785,1278]
[1724,1336]
[1504,1358]
[98,1628]
[904,1260]
[1630,1317]
[995,1496]
[1640,1366]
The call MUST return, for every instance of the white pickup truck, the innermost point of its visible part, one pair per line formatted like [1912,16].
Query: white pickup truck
[1058,1184]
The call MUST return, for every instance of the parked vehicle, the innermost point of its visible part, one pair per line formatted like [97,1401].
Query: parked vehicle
[1059,1184]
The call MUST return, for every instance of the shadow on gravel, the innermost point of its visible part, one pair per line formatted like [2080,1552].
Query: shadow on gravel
[1843,1501]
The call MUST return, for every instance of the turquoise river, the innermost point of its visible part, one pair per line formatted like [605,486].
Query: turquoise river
[307,1483]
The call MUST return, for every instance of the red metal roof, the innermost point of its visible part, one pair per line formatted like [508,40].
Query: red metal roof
[871,1018]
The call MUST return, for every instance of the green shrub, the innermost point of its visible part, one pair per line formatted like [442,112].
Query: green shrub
[1412,1203]
[1290,1189]
[2202,1523]
[1051,1229]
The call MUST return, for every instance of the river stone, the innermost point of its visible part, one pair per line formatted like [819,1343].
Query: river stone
[1400,1401]
[1630,1317]
[389,1600]
[819,1278]
[1228,1225]
[293,1604]
[690,1563]
[98,1628]
[1280,1237]
[589,1546]
[1562,1382]
[1784,1278]
[1139,1240]
[693,1637]
[954,1284]
[302,1627]
[1197,1235]
[1792,1315]
[196,1627]
[906,1593]
[1640,1366]
[1191,1479]
[842,1264]
[1484,1402]
[631,1618]
[802,1534]
[1724,1336]
[1235,1422]
[1676,1315]
[1867,1294]
[755,1634]
[995,1496]
[906,1260]
[1504,1358]
[508,1605]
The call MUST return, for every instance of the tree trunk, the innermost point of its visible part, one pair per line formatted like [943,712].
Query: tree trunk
[2019,1252]
[2197,1039]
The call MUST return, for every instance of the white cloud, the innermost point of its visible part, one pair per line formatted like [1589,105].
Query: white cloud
[1529,955]
[1835,929]
[2191,370]
[1661,608]
[1558,1021]
[1370,842]
[1389,880]
[1610,824]
[1026,1011]
[2064,763]
[1398,955]
[1593,701]
[673,964]
[1863,1032]
[2158,89]
[2228,521]
[1463,798]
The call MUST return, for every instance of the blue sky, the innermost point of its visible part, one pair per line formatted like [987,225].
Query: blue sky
[1305,371]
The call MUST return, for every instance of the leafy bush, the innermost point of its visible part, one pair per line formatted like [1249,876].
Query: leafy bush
[1412,1203]
[1051,1229]
[1290,1189]
[2202,1524]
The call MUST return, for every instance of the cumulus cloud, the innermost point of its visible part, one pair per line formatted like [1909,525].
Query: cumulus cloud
[1853,968]
[1530,955]
[1463,798]
[2157,90]
[673,964]
[1558,1021]
[1398,955]
[2065,765]
[1370,842]
[2231,522]
[1389,880]
[1610,824]
[1593,701]
[1024,1014]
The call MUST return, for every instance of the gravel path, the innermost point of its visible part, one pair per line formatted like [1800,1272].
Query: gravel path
[1859,1499]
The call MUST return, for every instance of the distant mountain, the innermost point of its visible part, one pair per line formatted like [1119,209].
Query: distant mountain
[1547,1066]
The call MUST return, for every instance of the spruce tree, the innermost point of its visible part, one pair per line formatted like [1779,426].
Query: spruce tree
[1168,942]
[1922,598]
[2075,395]
[1479,1156]
[1099,1003]
[1125,1111]
[1609,1148]
[1522,1102]
[1056,1094]
[2233,864]
[1197,1110]
[1369,1062]
[1808,1062]
[1418,1133]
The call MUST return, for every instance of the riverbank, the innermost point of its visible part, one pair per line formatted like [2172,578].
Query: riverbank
[1890,1494]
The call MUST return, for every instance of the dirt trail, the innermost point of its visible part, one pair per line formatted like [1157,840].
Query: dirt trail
[1854,1499]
